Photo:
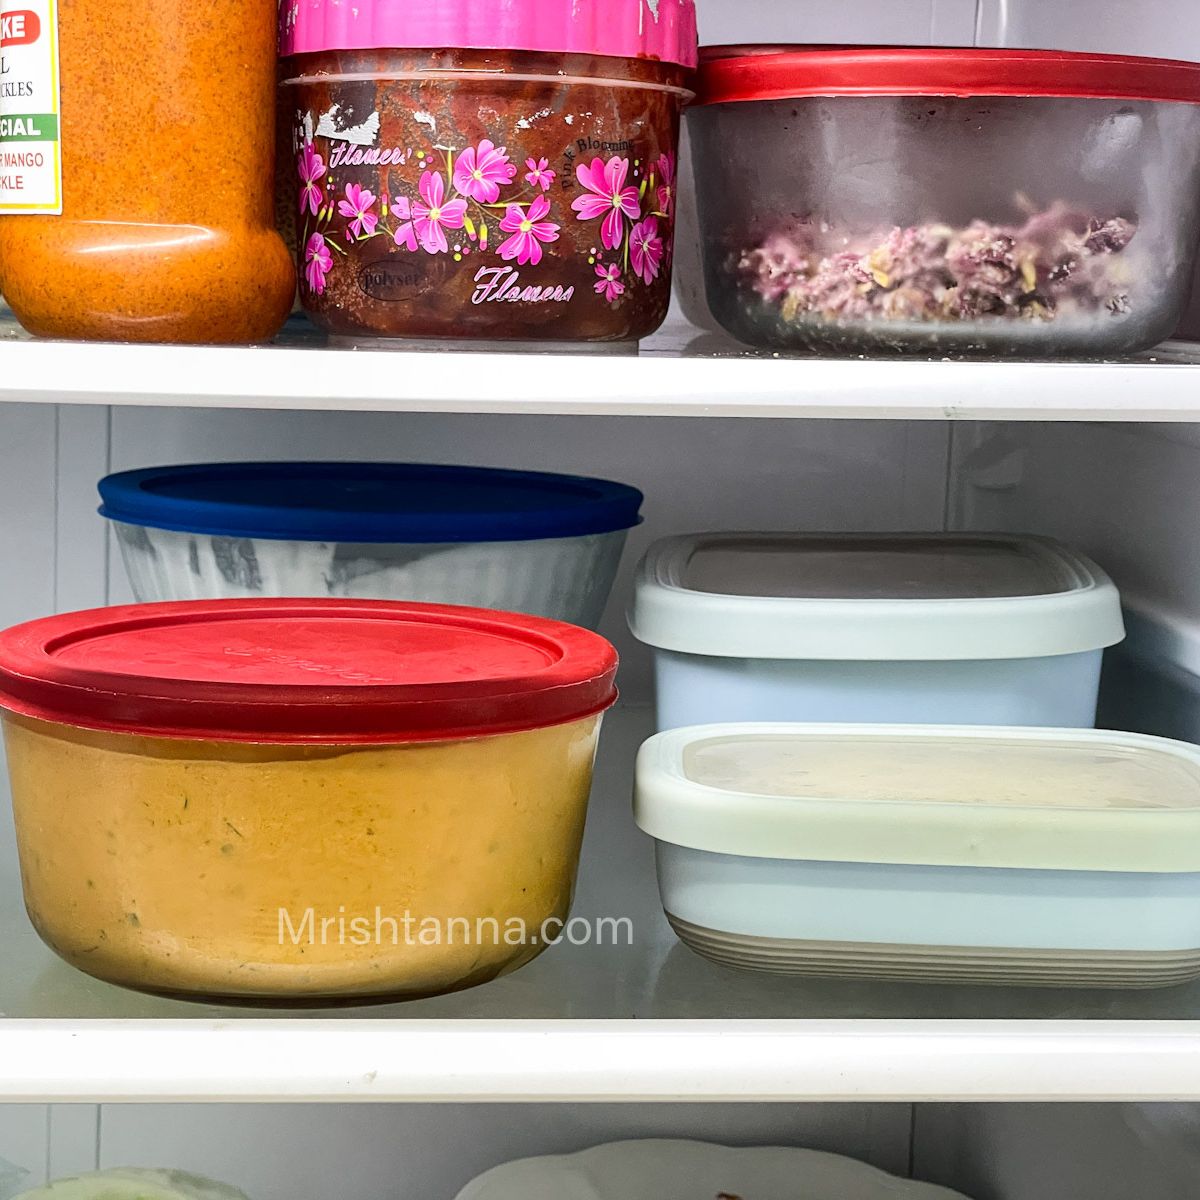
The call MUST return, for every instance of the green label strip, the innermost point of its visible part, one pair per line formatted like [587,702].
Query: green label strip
[36,127]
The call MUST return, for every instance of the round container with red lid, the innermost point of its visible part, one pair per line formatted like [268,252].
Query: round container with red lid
[300,800]
[497,170]
[898,199]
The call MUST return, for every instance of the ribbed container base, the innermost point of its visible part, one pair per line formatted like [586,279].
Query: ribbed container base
[942,964]
[566,579]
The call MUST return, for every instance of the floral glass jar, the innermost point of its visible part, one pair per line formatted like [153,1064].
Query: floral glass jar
[518,184]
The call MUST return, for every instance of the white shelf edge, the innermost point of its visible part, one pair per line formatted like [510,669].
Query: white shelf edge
[573,1061]
[659,383]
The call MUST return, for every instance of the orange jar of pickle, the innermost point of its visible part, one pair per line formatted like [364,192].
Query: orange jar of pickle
[164,111]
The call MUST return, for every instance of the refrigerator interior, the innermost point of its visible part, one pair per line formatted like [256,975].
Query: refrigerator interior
[1125,494]
[418,1152]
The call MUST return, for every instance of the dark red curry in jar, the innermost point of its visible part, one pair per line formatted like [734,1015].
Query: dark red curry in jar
[490,193]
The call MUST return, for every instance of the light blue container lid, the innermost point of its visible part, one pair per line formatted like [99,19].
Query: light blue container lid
[897,597]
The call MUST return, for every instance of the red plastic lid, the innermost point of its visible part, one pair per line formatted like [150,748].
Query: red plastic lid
[729,74]
[321,671]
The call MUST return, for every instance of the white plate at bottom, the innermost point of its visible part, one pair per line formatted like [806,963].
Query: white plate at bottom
[680,1170]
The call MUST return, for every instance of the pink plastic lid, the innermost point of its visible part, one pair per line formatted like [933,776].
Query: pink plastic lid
[322,671]
[662,30]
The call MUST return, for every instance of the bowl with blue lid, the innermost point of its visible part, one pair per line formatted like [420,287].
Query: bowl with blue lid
[522,541]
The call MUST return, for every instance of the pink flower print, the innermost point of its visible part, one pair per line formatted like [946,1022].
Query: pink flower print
[666,189]
[646,249]
[318,262]
[610,285]
[480,172]
[312,170]
[528,231]
[357,205]
[433,214]
[539,174]
[609,198]
[405,235]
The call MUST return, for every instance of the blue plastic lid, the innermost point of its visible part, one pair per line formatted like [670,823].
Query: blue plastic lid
[368,502]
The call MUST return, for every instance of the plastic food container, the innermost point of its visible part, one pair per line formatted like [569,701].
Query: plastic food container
[972,629]
[159,225]
[890,199]
[518,183]
[300,800]
[1003,856]
[133,1183]
[521,540]
[661,1169]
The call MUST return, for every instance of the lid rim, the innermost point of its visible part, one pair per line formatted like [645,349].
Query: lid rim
[574,505]
[666,614]
[663,31]
[964,73]
[672,808]
[381,739]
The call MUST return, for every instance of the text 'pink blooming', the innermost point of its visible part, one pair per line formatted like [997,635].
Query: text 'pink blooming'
[528,231]
[480,172]
[609,198]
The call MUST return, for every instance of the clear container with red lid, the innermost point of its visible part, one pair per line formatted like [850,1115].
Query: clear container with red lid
[897,199]
[300,801]
[515,183]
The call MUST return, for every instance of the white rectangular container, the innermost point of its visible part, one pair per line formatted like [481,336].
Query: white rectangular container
[941,854]
[658,1169]
[977,629]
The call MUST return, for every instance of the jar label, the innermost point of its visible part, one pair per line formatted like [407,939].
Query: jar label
[467,208]
[30,151]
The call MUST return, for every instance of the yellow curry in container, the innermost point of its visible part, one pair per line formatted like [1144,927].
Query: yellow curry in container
[300,800]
